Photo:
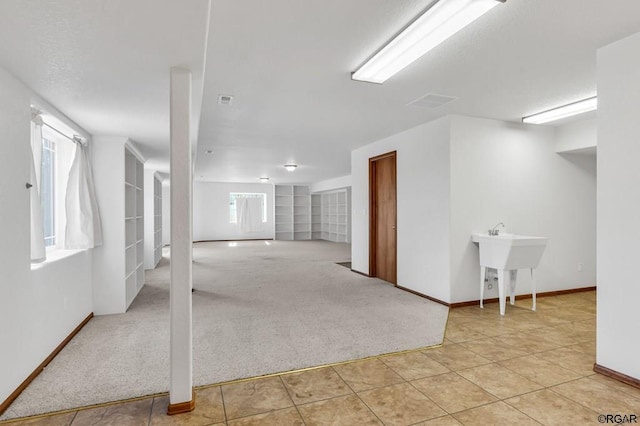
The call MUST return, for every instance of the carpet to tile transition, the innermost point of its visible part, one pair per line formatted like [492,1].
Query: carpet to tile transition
[259,307]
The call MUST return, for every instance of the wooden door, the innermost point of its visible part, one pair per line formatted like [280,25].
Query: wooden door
[382,211]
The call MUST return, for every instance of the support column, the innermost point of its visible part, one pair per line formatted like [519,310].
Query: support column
[181,397]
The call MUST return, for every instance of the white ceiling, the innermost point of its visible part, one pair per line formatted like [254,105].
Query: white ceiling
[105,64]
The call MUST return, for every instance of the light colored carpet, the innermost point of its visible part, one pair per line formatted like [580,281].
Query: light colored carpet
[258,308]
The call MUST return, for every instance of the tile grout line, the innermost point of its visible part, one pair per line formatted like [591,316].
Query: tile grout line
[73,418]
[303,404]
[409,382]
[427,396]
[573,400]
[369,408]
[520,411]
[539,390]
[286,389]
[541,384]
[358,396]
[153,403]
[485,390]
[224,407]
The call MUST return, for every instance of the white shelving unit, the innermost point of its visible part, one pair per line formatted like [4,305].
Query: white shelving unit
[301,213]
[292,212]
[284,212]
[152,219]
[118,265]
[316,216]
[134,226]
[335,218]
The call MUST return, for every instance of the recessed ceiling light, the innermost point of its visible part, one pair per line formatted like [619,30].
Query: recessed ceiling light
[438,23]
[569,110]
[264,179]
[290,167]
[209,151]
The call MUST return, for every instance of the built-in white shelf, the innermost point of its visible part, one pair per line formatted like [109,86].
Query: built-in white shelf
[292,212]
[134,225]
[117,276]
[153,219]
[316,216]
[330,216]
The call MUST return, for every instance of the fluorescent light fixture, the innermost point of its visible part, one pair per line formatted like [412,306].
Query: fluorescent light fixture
[264,179]
[575,108]
[290,167]
[438,23]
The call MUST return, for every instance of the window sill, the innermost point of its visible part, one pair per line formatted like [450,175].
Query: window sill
[55,255]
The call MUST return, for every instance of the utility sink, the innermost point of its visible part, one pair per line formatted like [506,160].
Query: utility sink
[508,253]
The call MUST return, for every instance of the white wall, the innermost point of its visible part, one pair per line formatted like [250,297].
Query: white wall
[109,259]
[15,364]
[422,202]
[166,213]
[38,308]
[618,347]
[507,172]
[62,298]
[211,211]
[578,136]
[331,184]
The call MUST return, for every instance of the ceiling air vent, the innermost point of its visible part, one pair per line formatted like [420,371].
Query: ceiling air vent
[432,101]
[225,99]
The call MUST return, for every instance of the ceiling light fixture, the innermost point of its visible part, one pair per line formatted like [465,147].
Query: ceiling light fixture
[569,110]
[438,23]
[290,167]
[264,179]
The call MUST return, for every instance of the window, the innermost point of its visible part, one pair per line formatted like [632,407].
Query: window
[232,204]
[48,191]
[57,155]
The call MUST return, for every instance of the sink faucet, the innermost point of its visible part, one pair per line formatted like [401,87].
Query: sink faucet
[494,231]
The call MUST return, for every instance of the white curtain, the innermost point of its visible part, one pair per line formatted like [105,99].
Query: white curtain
[84,229]
[38,252]
[249,214]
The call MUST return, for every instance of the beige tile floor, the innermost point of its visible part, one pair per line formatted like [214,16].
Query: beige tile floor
[524,368]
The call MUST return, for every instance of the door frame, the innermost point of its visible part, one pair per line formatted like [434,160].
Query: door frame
[373,195]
